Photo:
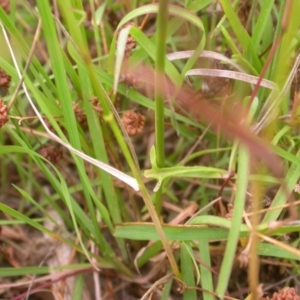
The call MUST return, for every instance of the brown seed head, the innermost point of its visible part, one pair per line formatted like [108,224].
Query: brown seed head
[4,79]
[3,113]
[51,153]
[230,211]
[130,80]
[79,113]
[287,293]
[96,104]
[133,122]
[5,5]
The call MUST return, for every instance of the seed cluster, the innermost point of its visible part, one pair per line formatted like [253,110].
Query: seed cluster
[5,5]
[3,113]
[133,122]
[51,153]
[287,293]
[79,113]
[4,80]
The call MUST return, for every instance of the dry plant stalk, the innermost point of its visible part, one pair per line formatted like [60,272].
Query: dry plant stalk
[131,43]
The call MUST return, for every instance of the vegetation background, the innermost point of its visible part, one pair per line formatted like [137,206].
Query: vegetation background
[149,150]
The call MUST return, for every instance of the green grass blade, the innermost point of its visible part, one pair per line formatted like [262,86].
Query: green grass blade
[260,24]
[239,204]
[206,274]
[187,268]
[242,35]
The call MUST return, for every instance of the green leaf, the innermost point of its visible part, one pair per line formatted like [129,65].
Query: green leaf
[237,217]
[242,35]
[175,233]
[187,267]
[206,274]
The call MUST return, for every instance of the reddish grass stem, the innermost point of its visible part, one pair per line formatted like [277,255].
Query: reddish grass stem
[264,70]
[50,283]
